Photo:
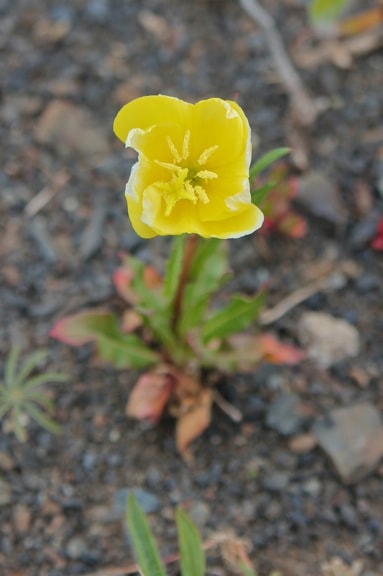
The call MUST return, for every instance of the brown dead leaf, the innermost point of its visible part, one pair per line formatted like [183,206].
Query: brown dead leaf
[151,394]
[192,423]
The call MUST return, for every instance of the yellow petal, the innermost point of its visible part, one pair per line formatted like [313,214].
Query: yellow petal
[237,226]
[222,123]
[148,111]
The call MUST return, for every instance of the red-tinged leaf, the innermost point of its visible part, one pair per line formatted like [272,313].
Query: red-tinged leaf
[292,225]
[194,422]
[274,351]
[362,22]
[101,327]
[79,329]
[122,278]
[377,242]
[150,395]
[152,278]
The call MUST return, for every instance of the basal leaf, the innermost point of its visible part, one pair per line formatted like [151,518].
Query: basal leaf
[174,267]
[192,556]
[264,161]
[101,327]
[235,317]
[143,542]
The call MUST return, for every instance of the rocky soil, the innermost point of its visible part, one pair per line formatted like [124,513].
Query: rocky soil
[301,476]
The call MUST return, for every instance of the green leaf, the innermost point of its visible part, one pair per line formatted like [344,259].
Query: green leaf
[246,570]
[235,317]
[174,267]
[11,366]
[40,399]
[143,542]
[30,363]
[265,161]
[207,274]
[44,379]
[41,419]
[326,10]
[152,305]
[192,557]
[259,194]
[101,327]
[18,427]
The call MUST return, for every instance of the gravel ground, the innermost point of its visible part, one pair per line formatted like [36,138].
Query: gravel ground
[65,69]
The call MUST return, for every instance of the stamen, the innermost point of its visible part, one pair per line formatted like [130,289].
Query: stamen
[201,194]
[204,157]
[206,175]
[173,149]
[168,165]
[185,145]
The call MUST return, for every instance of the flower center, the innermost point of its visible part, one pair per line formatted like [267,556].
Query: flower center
[186,181]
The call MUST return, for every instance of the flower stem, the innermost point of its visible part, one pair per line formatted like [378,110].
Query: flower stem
[190,246]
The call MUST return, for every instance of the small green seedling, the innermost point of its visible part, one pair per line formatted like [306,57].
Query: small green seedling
[21,394]
[192,559]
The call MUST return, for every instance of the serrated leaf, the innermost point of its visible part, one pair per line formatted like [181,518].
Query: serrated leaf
[235,317]
[143,542]
[326,10]
[174,267]
[192,556]
[101,327]
[264,161]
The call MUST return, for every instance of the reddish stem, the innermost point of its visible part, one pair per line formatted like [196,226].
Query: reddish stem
[190,246]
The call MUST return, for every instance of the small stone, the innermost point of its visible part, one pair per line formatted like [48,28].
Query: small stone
[312,487]
[148,501]
[6,462]
[71,130]
[276,482]
[353,438]
[199,512]
[327,339]
[284,415]
[318,194]
[5,492]
[364,231]
[302,443]
[76,548]
[22,517]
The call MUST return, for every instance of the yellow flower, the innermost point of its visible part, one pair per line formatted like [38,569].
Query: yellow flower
[192,174]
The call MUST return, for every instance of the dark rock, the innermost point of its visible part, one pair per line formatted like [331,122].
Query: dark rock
[364,231]
[284,415]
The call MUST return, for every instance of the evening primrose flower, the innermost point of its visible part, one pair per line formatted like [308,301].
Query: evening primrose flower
[192,174]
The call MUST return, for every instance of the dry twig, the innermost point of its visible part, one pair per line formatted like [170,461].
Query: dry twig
[302,104]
